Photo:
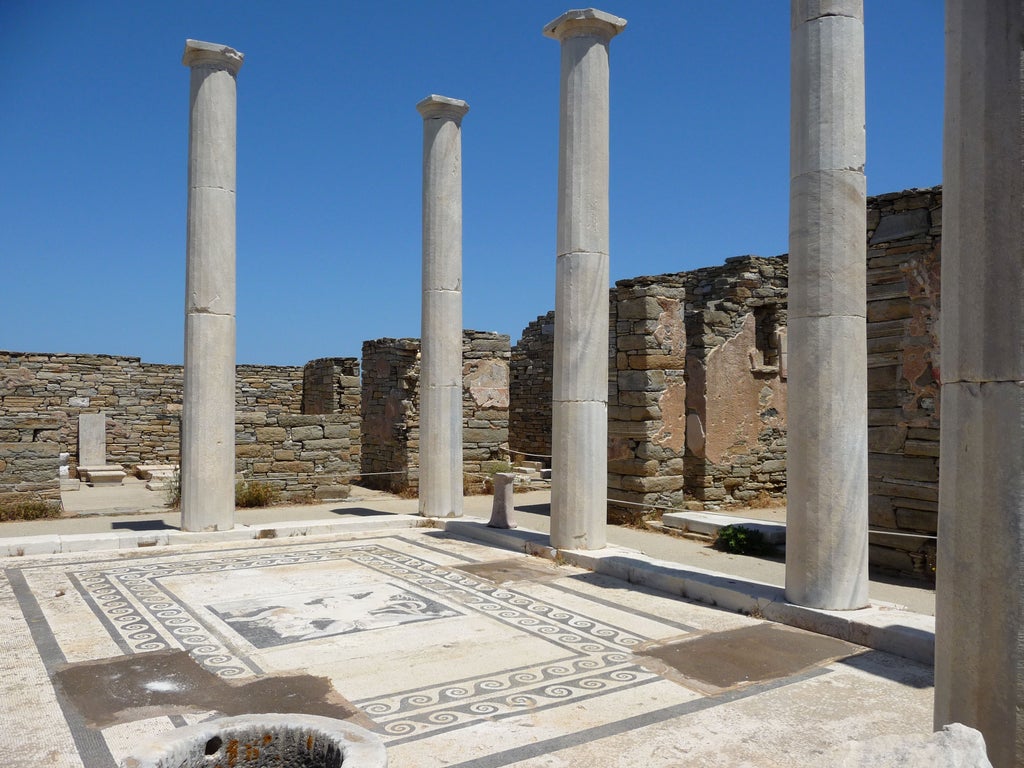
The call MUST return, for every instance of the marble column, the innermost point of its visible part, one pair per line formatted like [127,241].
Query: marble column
[827,514]
[979,616]
[579,437]
[208,407]
[440,491]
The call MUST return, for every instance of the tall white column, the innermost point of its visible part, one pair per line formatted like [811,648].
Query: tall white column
[208,408]
[827,516]
[979,616]
[579,439]
[440,490]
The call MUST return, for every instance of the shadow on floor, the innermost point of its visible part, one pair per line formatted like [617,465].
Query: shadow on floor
[359,512]
[144,525]
[891,667]
[535,509]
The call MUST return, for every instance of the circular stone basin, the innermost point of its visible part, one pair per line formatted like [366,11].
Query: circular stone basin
[263,741]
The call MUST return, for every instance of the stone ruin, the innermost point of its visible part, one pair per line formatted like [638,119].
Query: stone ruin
[391,411]
[842,376]
[697,397]
[697,383]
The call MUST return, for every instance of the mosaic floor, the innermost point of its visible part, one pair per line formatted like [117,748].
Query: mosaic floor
[458,654]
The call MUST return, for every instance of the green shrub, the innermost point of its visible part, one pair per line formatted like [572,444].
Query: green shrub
[254,494]
[494,467]
[31,509]
[740,540]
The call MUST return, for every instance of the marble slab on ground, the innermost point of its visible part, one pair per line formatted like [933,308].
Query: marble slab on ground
[456,653]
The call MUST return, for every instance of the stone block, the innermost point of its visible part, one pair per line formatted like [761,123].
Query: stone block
[332,492]
[889,309]
[922,448]
[271,434]
[295,467]
[253,451]
[888,439]
[307,432]
[326,445]
[653,484]
[955,746]
[897,467]
[105,477]
[916,519]
[641,381]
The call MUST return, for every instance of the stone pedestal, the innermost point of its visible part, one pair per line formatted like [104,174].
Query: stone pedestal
[979,656]
[440,493]
[579,438]
[503,504]
[208,407]
[827,518]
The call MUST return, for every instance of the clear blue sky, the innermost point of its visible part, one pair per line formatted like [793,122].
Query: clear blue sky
[94,132]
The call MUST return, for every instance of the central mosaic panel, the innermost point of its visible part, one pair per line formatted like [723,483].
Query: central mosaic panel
[284,619]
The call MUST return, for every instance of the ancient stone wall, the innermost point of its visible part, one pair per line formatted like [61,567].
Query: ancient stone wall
[904,234]
[142,403]
[728,439]
[390,415]
[390,439]
[530,390]
[29,457]
[330,385]
[697,401]
[303,456]
[485,402]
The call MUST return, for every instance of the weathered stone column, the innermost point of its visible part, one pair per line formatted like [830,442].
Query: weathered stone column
[979,618]
[440,490]
[827,518]
[208,408]
[579,435]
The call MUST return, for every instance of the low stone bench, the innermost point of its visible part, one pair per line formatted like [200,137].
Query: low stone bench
[107,474]
[263,741]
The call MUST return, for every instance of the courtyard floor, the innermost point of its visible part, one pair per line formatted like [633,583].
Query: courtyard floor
[455,651]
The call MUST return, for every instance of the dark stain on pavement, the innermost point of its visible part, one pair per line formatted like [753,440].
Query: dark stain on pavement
[514,569]
[143,685]
[720,660]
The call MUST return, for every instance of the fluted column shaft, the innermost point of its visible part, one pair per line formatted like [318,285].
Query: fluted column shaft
[979,651]
[208,407]
[579,439]
[440,490]
[827,484]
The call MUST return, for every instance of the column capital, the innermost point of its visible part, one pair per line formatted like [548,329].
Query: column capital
[582,22]
[200,54]
[435,107]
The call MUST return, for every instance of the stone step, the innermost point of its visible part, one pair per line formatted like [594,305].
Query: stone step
[709,525]
[526,465]
[148,471]
[528,471]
